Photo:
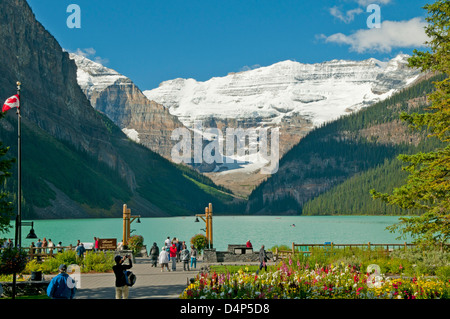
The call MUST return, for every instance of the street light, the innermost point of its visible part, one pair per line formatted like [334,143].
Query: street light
[207,218]
[31,234]
[127,220]
[18,243]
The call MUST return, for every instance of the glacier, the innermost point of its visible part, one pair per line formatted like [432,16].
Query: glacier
[319,92]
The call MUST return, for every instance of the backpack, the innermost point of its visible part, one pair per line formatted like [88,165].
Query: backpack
[130,278]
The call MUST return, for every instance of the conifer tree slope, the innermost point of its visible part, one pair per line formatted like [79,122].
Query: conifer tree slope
[346,149]
[75,161]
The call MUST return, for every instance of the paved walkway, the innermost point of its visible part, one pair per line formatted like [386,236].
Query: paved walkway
[151,283]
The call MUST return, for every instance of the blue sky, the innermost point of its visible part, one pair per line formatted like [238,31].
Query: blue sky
[153,41]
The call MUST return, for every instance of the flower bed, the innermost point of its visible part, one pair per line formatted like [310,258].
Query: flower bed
[302,282]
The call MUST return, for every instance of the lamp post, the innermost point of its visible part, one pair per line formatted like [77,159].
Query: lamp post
[127,220]
[207,218]
[30,235]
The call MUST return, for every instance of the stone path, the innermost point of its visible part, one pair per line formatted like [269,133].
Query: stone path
[151,283]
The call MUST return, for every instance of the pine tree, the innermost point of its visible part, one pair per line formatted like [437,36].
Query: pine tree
[428,184]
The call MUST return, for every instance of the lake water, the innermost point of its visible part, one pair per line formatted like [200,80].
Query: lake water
[261,230]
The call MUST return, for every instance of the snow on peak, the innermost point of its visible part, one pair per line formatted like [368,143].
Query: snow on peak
[93,76]
[320,92]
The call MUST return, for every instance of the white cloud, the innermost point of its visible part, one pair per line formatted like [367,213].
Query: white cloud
[392,34]
[365,3]
[90,53]
[248,68]
[348,17]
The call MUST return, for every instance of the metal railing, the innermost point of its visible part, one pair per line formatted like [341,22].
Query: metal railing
[308,249]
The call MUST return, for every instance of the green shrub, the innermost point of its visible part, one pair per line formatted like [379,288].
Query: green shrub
[12,260]
[98,262]
[200,242]
[443,273]
[135,243]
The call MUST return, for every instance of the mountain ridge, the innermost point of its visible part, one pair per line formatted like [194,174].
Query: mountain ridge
[76,162]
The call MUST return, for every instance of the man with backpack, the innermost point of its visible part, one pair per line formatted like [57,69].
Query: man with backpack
[122,289]
[154,254]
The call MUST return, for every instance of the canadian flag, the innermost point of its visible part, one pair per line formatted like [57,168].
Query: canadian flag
[12,102]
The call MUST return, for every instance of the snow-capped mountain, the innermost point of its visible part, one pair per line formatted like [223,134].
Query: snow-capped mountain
[115,95]
[318,92]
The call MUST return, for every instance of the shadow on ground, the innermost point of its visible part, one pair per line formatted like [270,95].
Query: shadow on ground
[154,292]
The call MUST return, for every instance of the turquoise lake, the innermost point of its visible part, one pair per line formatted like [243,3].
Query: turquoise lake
[261,230]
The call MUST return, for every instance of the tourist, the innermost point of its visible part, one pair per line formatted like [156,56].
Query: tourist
[154,253]
[164,259]
[167,242]
[50,246]
[184,256]
[80,250]
[44,245]
[249,244]
[193,256]
[122,289]
[8,243]
[32,250]
[59,248]
[262,258]
[38,248]
[96,244]
[167,248]
[179,249]
[62,286]
[173,256]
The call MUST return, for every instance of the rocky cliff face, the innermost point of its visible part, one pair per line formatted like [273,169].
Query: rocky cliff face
[115,95]
[76,161]
[288,95]
[51,97]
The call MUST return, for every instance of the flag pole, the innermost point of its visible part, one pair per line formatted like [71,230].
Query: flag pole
[18,239]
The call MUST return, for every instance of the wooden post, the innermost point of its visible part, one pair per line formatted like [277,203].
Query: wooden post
[293,248]
[210,209]
[126,224]
[207,226]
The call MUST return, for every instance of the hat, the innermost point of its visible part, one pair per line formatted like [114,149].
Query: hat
[62,267]
[117,258]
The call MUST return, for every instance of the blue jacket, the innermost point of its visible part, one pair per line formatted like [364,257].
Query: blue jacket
[58,288]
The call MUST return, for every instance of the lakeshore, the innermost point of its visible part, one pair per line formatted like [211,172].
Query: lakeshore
[261,230]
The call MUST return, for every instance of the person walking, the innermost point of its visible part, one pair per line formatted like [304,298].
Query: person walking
[193,256]
[32,250]
[38,249]
[59,248]
[62,286]
[179,249]
[50,246]
[122,289]
[167,246]
[262,258]
[96,244]
[164,259]
[44,245]
[167,241]
[184,256]
[173,256]
[154,253]
[80,250]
